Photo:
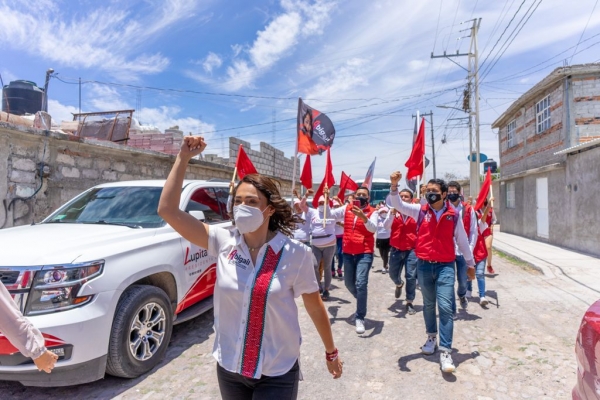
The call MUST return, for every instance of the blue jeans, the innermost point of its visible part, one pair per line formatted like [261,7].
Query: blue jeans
[461,278]
[339,255]
[356,278]
[437,284]
[480,275]
[398,259]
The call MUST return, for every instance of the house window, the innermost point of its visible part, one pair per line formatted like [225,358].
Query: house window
[510,195]
[510,133]
[542,113]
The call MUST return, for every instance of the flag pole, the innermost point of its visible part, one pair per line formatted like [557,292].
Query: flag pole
[233,180]
[296,153]
[491,190]
[325,205]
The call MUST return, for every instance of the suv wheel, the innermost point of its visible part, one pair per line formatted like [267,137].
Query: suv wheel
[140,332]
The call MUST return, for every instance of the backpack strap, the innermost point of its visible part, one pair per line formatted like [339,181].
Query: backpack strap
[422,214]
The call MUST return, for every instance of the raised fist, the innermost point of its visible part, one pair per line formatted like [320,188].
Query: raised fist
[395,177]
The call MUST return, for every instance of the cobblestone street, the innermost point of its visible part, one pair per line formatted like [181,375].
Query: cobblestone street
[521,346]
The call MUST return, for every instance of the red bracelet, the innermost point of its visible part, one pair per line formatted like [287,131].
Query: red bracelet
[331,356]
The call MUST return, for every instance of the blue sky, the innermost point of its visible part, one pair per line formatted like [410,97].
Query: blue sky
[234,65]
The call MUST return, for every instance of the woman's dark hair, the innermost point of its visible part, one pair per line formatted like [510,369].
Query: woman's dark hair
[309,114]
[283,219]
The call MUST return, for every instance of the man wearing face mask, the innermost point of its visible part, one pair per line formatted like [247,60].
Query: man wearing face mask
[323,241]
[469,219]
[360,225]
[439,227]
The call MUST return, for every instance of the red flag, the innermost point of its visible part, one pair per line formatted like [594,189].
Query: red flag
[306,176]
[328,180]
[415,161]
[346,183]
[243,164]
[485,190]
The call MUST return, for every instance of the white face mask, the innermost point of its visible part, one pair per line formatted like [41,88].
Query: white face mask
[247,219]
[321,208]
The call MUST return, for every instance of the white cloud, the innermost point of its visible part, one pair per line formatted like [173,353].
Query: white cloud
[60,112]
[105,38]
[341,81]
[211,62]
[300,20]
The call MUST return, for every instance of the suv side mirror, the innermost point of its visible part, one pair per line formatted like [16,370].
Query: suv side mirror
[199,215]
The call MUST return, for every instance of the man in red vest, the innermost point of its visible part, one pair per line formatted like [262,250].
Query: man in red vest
[360,225]
[402,239]
[469,219]
[438,228]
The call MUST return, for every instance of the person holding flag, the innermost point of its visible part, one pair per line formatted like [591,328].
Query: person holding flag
[439,227]
[480,255]
[488,233]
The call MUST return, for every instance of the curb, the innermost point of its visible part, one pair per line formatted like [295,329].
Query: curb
[508,254]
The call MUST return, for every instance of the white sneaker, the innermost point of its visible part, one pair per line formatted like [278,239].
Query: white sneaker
[468,295]
[483,301]
[446,363]
[430,345]
[360,326]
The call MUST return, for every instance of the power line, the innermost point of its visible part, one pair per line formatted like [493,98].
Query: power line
[485,74]
[502,34]
[586,25]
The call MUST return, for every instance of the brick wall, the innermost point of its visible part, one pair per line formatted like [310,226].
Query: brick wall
[532,149]
[74,165]
[168,143]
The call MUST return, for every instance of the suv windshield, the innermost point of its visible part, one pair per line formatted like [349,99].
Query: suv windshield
[135,207]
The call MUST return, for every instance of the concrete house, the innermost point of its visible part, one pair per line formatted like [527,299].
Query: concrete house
[550,160]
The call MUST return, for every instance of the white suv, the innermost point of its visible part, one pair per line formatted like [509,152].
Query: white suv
[105,278]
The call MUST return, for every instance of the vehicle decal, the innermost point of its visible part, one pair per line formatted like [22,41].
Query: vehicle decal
[7,348]
[257,312]
[202,287]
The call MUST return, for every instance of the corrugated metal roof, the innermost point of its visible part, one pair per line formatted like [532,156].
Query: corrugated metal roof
[579,147]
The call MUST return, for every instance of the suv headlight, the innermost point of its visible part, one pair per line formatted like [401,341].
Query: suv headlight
[56,288]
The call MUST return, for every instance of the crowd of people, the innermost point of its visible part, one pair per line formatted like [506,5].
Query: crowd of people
[278,252]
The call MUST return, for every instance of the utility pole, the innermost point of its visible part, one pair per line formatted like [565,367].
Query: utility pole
[471,105]
[430,115]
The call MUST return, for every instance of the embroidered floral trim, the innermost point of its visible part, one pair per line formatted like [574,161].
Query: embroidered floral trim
[257,313]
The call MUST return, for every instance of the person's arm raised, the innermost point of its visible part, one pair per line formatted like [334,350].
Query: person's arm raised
[168,207]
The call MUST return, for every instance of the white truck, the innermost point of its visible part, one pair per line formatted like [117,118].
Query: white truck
[105,278]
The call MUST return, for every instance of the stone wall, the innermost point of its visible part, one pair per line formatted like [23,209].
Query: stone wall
[268,160]
[71,165]
[586,115]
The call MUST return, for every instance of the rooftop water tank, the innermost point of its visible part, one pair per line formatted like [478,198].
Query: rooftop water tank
[22,97]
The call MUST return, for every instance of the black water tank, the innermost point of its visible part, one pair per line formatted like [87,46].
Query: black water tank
[22,97]
[490,163]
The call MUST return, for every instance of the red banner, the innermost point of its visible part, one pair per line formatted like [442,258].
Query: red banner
[485,190]
[243,164]
[306,176]
[415,161]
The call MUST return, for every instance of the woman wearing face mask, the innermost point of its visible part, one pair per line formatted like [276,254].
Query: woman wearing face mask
[323,241]
[260,271]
